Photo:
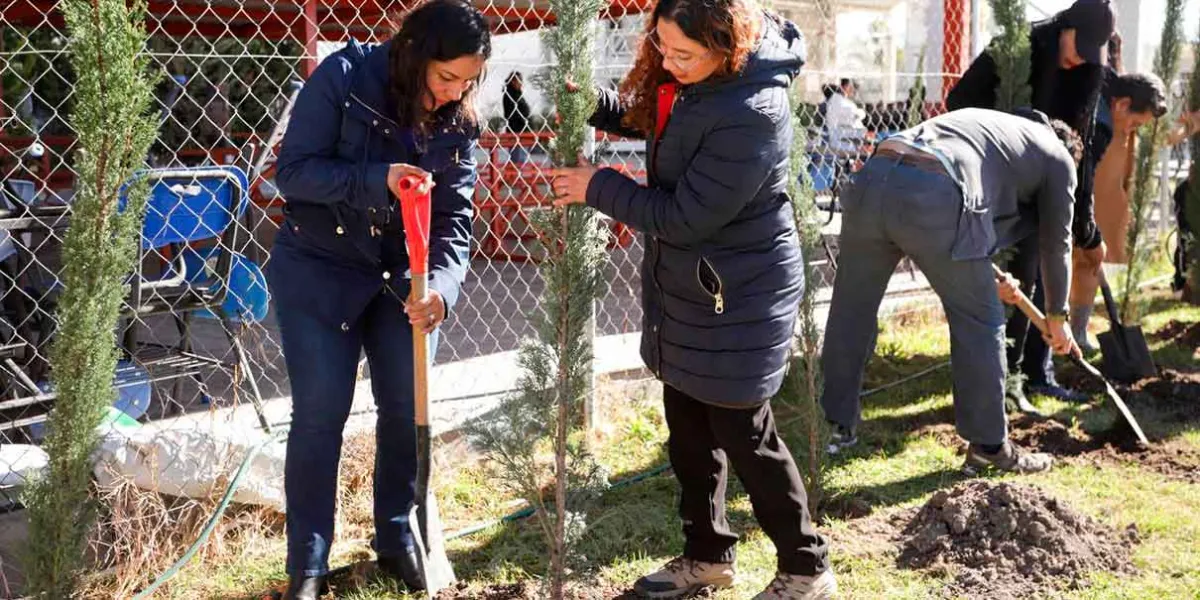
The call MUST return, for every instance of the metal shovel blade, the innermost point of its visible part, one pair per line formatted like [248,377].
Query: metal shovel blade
[1114,396]
[1126,357]
[429,535]
[1125,353]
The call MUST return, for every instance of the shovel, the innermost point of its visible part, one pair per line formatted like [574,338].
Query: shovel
[431,544]
[1126,356]
[1039,320]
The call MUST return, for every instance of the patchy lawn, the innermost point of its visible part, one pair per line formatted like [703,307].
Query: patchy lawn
[907,451]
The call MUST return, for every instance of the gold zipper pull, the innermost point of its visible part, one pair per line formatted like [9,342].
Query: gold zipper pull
[720,308]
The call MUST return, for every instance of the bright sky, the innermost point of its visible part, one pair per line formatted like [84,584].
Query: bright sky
[1153,14]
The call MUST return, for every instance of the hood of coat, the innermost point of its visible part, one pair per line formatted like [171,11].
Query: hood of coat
[776,61]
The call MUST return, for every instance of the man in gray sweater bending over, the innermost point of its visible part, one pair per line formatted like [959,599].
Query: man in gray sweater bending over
[948,193]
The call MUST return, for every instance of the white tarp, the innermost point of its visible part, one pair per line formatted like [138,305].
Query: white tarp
[195,456]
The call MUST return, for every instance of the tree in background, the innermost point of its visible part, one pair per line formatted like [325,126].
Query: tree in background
[113,97]
[546,410]
[1012,53]
[1192,203]
[917,94]
[1150,141]
[802,388]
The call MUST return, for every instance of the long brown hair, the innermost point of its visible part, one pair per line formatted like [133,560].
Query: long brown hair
[728,27]
[440,30]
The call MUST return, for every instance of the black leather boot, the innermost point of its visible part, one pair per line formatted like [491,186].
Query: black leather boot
[404,568]
[306,588]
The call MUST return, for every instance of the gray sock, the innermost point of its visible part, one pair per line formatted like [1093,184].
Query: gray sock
[1079,321]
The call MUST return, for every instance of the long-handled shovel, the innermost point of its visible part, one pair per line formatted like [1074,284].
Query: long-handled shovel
[431,545]
[1125,352]
[1039,320]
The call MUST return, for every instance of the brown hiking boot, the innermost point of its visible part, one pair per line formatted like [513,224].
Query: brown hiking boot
[786,586]
[683,577]
[1010,458]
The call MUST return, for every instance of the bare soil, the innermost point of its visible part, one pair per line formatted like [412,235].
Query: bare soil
[1181,333]
[1006,541]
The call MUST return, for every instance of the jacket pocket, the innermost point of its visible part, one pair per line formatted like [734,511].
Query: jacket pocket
[711,283]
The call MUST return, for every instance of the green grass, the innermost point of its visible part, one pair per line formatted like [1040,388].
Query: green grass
[907,451]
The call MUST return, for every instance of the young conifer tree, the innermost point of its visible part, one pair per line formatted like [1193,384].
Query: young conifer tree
[113,97]
[1150,142]
[545,412]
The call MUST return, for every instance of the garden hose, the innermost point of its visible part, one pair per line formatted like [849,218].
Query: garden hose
[517,515]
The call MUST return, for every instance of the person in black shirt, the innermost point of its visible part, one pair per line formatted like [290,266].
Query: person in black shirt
[1068,55]
[516,114]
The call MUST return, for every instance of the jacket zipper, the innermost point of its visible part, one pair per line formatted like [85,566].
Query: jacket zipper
[652,175]
[718,295]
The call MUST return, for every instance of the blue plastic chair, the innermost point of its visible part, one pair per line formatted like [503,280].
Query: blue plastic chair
[187,208]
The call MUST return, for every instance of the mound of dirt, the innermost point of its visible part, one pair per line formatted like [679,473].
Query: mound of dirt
[1176,386]
[1184,334]
[1180,462]
[1007,541]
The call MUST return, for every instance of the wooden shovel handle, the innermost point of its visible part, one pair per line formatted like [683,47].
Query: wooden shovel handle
[1026,306]
[420,285]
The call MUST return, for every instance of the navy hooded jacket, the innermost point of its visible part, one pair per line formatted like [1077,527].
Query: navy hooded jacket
[722,274]
[343,242]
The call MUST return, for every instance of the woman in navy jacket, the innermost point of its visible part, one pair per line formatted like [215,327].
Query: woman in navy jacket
[722,274]
[368,116]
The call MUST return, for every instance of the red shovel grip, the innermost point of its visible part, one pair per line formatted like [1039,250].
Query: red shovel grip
[414,209]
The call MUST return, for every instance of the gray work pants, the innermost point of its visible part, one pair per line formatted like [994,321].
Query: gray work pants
[892,210]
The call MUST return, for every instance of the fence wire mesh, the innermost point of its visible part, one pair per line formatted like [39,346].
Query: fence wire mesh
[203,363]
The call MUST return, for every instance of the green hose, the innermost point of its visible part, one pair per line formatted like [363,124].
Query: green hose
[516,515]
[212,520]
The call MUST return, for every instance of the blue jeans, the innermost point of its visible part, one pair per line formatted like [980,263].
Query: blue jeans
[890,211]
[322,364]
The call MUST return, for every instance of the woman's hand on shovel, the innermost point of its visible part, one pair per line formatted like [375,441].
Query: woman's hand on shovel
[426,314]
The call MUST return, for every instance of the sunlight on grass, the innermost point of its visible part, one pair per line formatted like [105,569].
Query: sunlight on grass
[907,451]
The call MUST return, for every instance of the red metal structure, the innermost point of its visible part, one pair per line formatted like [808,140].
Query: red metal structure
[506,191]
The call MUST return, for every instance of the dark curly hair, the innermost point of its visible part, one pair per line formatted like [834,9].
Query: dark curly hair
[728,27]
[1070,138]
[440,30]
[1146,91]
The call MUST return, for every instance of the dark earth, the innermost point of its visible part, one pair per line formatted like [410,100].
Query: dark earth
[1007,541]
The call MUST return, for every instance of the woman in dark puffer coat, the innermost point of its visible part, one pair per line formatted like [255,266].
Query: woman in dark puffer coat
[722,273]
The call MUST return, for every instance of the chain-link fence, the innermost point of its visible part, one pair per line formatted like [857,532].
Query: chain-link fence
[204,370]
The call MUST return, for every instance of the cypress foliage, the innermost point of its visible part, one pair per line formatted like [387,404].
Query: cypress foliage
[1150,142]
[1012,52]
[545,411]
[113,97]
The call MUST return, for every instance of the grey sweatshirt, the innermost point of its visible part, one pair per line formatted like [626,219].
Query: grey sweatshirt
[1017,179]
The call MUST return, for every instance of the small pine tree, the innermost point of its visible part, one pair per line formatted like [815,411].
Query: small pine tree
[113,96]
[917,94]
[1192,202]
[1012,52]
[1150,141]
[547,407]
[802,387]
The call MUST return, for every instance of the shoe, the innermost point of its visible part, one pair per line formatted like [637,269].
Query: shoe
[786,586]
[1015,400]
[840,439]
[1057,391]
[1085,344]
[1010,459]
[406,569]
[306,588]
[684,577]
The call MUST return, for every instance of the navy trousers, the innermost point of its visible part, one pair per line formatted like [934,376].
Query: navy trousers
[322,362]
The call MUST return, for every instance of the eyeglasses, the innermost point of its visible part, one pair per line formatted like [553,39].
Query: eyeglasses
[683,64]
